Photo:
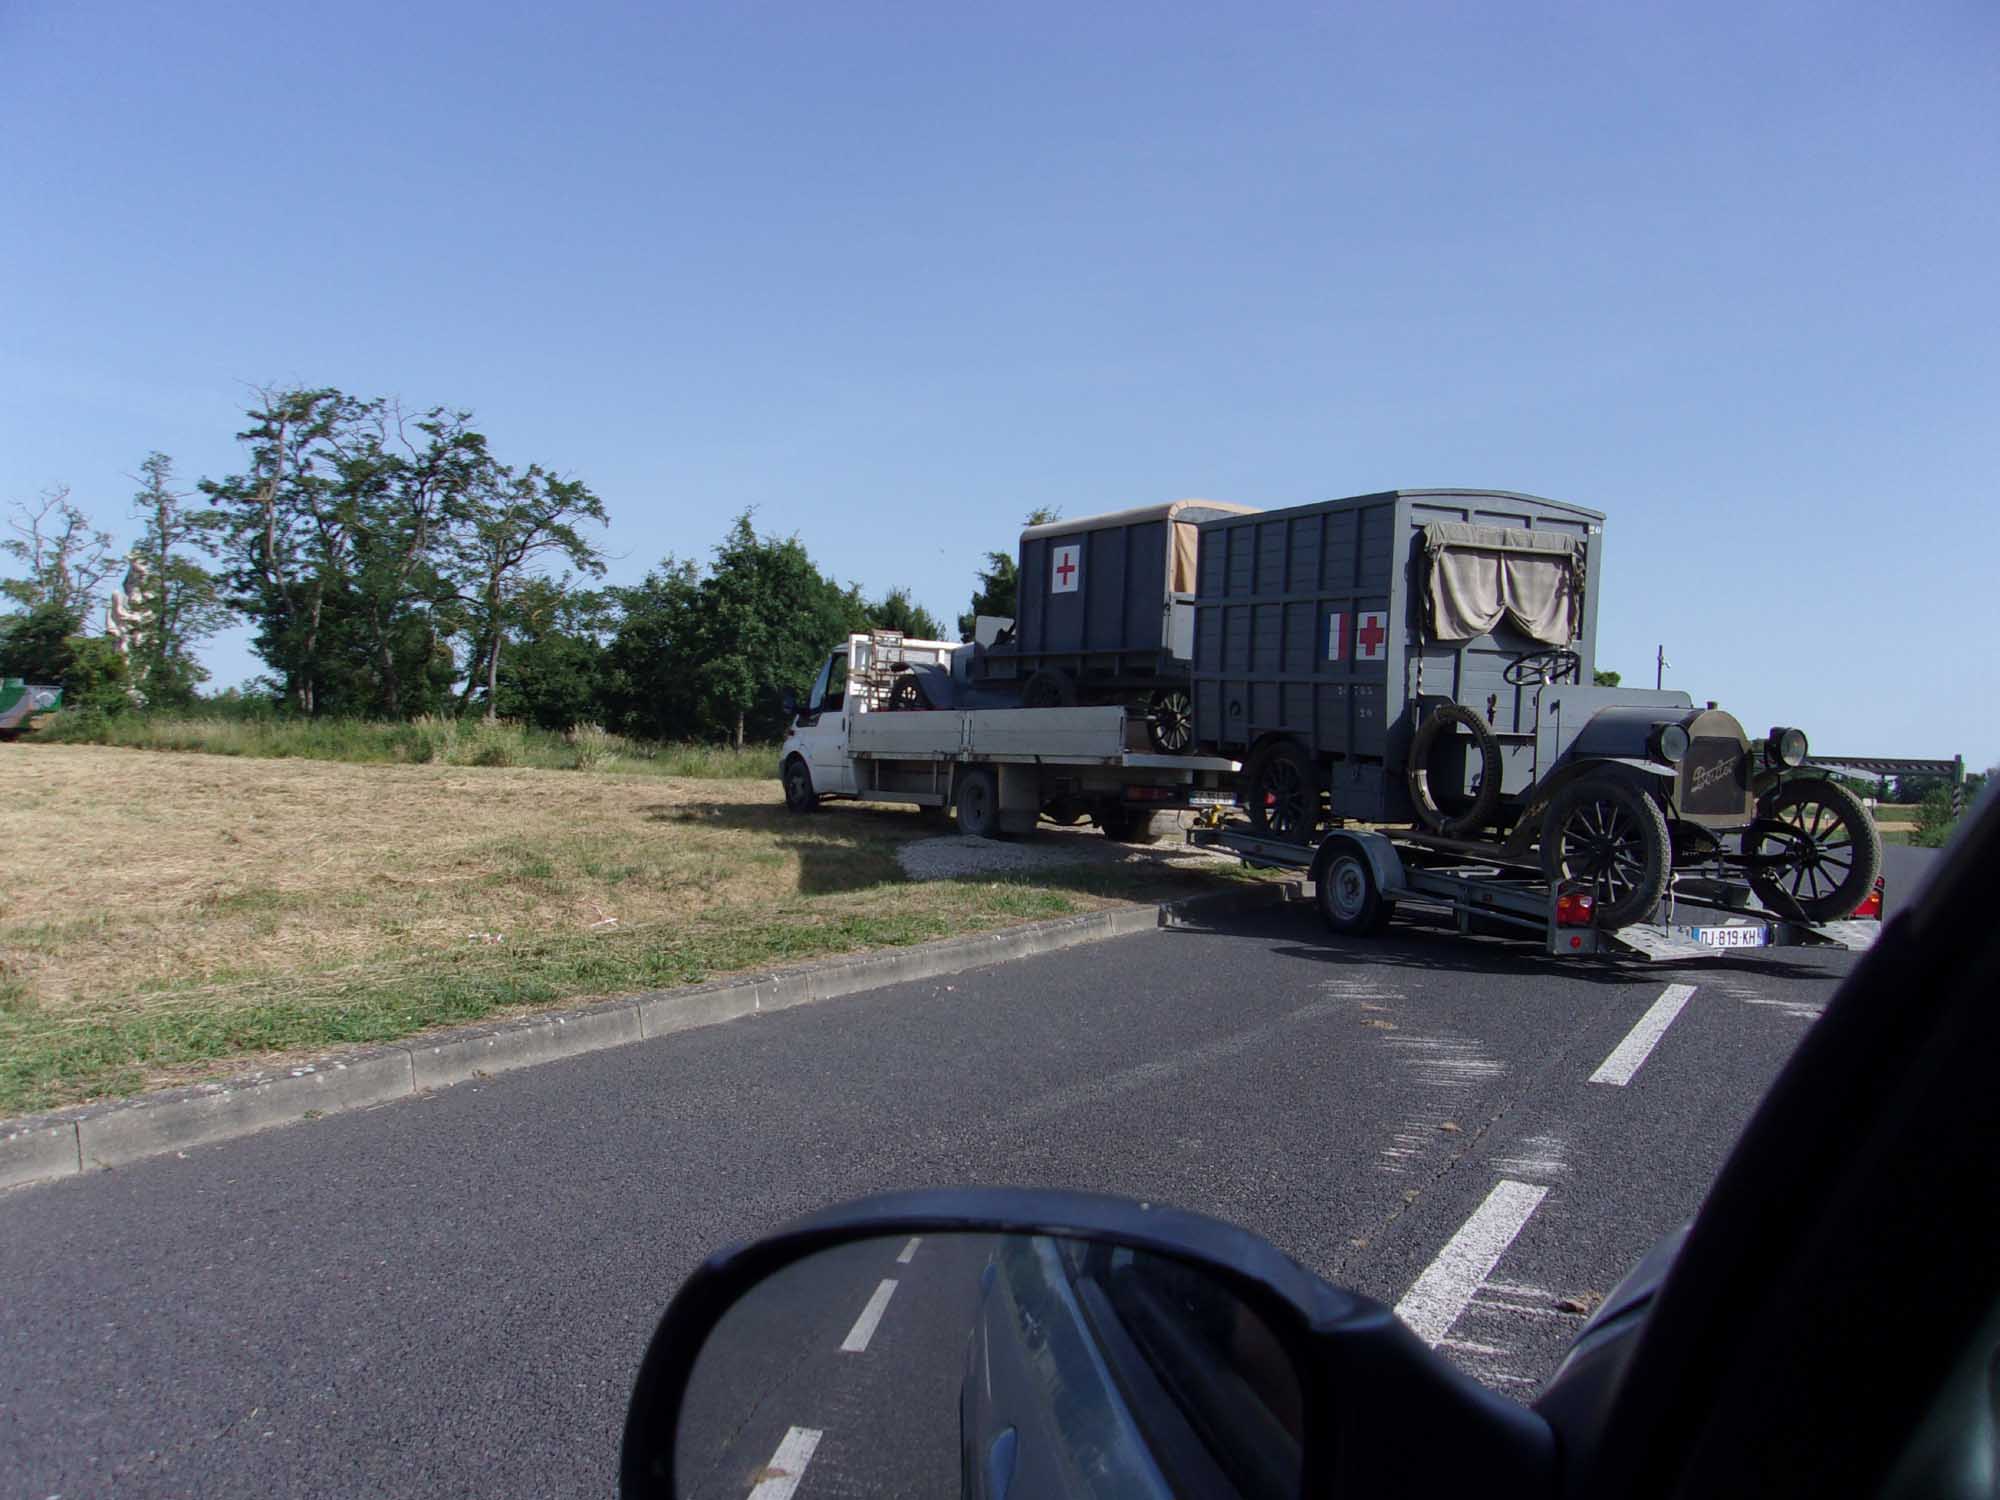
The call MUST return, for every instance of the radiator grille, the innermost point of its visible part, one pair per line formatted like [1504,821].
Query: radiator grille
[1715,777]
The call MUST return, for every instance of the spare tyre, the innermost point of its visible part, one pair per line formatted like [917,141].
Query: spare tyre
[1455,817]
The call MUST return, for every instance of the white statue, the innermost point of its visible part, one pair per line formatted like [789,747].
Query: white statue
[129,613]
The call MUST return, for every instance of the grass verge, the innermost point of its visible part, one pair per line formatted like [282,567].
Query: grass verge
[165,918]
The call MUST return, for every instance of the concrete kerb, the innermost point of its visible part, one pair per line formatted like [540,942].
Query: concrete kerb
[42,1148]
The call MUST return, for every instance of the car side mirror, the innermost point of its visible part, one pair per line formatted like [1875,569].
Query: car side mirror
[990,1342]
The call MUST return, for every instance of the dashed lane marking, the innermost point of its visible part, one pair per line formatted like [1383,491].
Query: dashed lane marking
[1629,1055]
[1433,1303]
[871,1316]
[781,1476]
[910,1250]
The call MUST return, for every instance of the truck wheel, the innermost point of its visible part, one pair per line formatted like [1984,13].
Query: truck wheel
[1609,838]
[1462,817]
[907,694]
[978,802]
[1049,688]
[1345,890]
[1170,721]
[799,794]
[1282,792]
[1831,852]
[1129,825]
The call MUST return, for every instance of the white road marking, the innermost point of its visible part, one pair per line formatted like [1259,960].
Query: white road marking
[788,1465]
[909,1251]
[1627,1057]
[1438,1296]
[871,1315]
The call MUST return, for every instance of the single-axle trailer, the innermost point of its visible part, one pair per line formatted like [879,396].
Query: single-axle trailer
[1360,877]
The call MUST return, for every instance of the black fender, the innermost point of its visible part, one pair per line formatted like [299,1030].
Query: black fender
[1645,775]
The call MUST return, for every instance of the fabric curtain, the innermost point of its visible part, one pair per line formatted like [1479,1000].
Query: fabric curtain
[1480,575]
[1185,540]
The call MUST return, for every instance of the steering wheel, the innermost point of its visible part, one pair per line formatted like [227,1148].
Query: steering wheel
[1538,667]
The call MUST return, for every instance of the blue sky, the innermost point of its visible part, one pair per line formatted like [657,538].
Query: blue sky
[896,274]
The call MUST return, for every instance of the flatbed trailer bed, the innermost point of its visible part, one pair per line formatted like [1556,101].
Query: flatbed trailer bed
[1005,769]
[1360,876]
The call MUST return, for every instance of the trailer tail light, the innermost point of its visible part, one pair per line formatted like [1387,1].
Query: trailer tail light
[1871,904]
[1575,909]
[1150,794]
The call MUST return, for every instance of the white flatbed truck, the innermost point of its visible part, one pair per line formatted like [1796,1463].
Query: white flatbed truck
[998,770]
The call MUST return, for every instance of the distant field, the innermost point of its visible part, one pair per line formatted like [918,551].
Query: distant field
[169,916]
[431,740]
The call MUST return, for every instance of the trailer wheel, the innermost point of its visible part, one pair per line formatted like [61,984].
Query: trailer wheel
[1170,720]
[907,694]
[1282,792]
[978,802]
[799,794]
[1610,838]
[1454,822]
[1345,890]
[1826,851]
[1129,825]
[1049,688]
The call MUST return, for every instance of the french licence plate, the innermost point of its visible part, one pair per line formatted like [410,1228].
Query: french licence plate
[1211,799]
[1729,937]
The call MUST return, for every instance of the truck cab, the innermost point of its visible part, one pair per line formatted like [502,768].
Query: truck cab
[857,677]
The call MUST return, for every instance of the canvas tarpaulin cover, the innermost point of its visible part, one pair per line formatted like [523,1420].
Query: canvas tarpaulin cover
[1480,575]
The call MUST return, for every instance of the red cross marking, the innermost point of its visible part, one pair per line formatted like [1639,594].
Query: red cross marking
[1371,635]
[1065,568]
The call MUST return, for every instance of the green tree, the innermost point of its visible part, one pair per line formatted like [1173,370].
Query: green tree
[288,541]
[998,588]
[648,665]
[768,617]
[896,611]
[39,645]
[707,654]
[363,539]
[520,518]
[185,603]
[64,557]
[554,672]
[1605,679]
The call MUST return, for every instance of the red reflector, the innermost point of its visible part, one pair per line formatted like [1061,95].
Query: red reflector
[1871,905]
[1575,909]
[1149,794]
[1576,942]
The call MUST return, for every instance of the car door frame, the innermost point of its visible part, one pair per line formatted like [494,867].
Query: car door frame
[1844,1227]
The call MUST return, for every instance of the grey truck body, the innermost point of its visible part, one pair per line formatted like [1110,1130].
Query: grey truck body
[1281,600]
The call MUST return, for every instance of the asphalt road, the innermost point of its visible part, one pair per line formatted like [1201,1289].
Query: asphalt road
[450,1295]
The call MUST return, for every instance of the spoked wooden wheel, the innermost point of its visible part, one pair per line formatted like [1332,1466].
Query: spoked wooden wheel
[1815,846]
[1610,839]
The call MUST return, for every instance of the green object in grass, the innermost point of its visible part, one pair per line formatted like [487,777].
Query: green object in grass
[19,700]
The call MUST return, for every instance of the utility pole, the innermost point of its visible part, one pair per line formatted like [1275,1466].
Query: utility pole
[1660,665]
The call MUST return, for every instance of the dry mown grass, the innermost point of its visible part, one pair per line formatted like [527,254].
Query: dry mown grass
[164,915]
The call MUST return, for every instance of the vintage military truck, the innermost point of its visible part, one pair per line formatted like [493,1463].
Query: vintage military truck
[1104,615]
[1426,658]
